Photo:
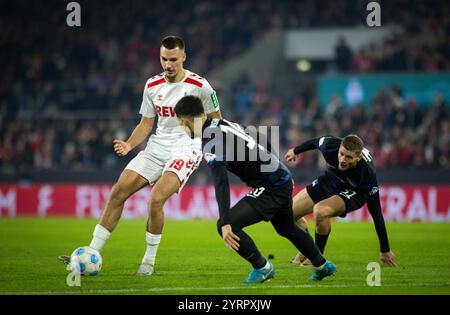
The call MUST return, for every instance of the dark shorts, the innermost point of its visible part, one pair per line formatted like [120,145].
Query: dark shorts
[322,188]
[269,201]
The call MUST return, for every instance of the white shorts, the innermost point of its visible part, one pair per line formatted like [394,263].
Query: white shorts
[181,157]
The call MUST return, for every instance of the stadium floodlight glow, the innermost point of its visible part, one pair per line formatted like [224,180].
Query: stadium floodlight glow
[303,65]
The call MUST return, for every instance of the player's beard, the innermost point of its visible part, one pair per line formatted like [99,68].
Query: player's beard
[347,166]
[170,75]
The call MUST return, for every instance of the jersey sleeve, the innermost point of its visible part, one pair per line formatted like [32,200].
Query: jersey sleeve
[374,206]
[371,191]
[324,144]
[209,98]
[329,143]
[369,186]
[147,106]
[222,188]
[307,145]
[214,154]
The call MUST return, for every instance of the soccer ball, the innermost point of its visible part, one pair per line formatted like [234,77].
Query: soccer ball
[86,261]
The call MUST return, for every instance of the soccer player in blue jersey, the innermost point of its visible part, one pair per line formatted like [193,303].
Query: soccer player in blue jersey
[228,148]
[348,183]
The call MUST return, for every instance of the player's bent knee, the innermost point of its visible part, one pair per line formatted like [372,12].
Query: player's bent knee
[321,212]
[165,188]
[157,199]
[284,230]
[119,194]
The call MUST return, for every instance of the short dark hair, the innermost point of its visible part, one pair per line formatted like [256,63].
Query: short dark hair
[171,42]
[189,106]
[353,143]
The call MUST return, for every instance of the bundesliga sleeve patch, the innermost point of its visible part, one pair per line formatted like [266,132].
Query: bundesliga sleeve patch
[214,99]
[321,141]
[209,157]
[373,191]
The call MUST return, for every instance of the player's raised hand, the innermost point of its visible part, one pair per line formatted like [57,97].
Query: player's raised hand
[290,156]
[121,147]
[231,240]
[388,258]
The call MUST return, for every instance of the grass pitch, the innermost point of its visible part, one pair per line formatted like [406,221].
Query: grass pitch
[192,259]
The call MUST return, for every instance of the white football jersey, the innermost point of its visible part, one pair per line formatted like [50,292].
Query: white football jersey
[161,96]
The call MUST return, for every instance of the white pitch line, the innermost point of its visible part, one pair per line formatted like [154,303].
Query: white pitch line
[175,289]
[75,291]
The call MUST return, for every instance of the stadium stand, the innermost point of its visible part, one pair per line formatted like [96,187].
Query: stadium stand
[65,94]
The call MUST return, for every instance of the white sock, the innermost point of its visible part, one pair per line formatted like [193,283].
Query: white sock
[321,267]
[266,266]
[152,247]
[101,235]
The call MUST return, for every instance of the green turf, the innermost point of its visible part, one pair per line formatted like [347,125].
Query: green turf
[192,259]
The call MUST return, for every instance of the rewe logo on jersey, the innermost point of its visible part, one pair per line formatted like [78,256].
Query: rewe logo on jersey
[165,111]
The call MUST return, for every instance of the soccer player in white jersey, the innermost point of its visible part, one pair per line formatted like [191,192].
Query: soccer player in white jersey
[170,156]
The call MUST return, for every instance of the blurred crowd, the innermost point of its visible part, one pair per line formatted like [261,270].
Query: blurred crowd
[45,63]
[117,45]
[81,144]
[398,131]
[423,44]
[65,93]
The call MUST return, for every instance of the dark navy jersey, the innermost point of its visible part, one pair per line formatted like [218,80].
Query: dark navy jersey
[227,147]
[245,153]
[361,178]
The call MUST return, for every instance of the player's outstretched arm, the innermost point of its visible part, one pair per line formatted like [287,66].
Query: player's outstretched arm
[140,133]
[222,189]
[374,206]
[291,155]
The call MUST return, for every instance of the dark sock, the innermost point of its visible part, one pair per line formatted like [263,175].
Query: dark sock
[249,251]
[305,244]
[303,241]
[321,241]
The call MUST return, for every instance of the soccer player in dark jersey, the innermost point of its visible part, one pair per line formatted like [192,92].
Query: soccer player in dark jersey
[228,148]
[348,183]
